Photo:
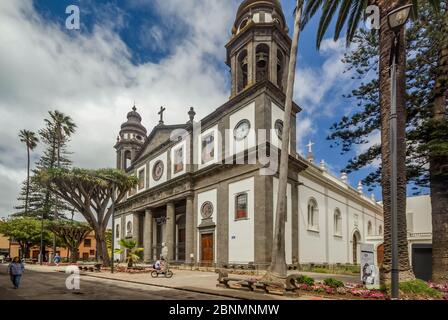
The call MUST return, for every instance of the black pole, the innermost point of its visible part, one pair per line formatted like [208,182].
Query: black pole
[42,250]
[393,177]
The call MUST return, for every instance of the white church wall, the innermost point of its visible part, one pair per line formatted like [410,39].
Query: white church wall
[288,225]
[212,196]
[164,158]
[241,232]
[117,224]
[337,248]
[247,112]
[312,243]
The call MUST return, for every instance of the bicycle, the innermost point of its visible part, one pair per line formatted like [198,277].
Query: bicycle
[165,271]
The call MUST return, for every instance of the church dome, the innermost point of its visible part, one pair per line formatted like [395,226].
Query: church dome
[259,11]
[133,125]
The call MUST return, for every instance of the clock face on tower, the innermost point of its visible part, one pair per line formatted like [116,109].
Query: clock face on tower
[241,130]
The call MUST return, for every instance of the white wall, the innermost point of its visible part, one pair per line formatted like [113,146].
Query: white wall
[164,158]
[312,244]
[212,196]
[248,113]
[288,225]
[117,222]
[420,208]
[241,232]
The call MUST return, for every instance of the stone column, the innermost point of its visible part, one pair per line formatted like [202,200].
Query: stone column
[170,228]
[147,236]
[136,227]
[189,228]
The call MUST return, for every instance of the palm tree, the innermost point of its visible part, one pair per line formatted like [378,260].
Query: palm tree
[350,13]
[129,247]
[30,139]
[278,269]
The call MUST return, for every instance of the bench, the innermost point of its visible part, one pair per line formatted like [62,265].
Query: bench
[224,279]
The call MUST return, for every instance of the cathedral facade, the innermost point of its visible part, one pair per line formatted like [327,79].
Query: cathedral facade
[208,189]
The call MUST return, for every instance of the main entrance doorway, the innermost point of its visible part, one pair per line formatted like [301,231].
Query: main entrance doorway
[207,248]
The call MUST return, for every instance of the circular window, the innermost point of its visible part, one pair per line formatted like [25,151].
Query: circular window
[241,130]
[206,210]
[129,227]
[279,128]
[157,170]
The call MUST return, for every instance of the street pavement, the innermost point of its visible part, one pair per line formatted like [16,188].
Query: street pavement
[48,282]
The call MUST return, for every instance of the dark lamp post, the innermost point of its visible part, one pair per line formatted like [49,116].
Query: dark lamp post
[397,19]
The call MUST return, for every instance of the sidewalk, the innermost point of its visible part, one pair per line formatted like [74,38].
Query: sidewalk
[193,281]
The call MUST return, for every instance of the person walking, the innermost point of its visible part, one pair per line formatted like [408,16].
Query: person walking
[57,259]
[15,270]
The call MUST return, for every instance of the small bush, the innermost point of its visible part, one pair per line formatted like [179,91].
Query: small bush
[305,280]
[333,283]
[320,270]
[419,287]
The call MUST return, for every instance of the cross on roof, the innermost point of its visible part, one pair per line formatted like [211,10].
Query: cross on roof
[310,147]
[162,109]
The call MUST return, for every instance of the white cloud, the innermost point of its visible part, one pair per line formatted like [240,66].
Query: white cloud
[91,77]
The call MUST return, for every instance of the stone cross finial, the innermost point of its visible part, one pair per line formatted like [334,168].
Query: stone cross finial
[162,110]
[310,147]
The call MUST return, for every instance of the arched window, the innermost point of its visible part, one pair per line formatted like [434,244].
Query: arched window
[380,230]
[280,69]
[262,58]
[369,228]
[127,159]
[242,72]
[337,223]
[117,231]
[313,215]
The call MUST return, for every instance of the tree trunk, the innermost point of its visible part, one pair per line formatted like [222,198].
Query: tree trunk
[278,268]
[27,179]
[386,36]
[102,246]
[438,169]
[73,254]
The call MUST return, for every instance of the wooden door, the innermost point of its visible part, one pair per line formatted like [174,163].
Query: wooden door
[207,248]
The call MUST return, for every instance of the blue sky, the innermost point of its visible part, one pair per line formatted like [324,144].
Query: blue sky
[156,52]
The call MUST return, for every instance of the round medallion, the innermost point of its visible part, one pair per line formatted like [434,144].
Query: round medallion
[206,210]
[129,227]
[241,130]
[157,170]
[279,128]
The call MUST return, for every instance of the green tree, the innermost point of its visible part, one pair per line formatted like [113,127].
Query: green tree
[350,13]
[71,234]
[25,231]
[30,139]
[129,248]
[427,133]
[91,193]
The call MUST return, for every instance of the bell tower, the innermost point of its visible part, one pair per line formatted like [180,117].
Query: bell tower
[130,140]
[260,46]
